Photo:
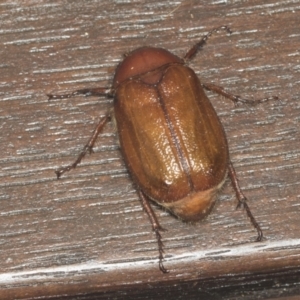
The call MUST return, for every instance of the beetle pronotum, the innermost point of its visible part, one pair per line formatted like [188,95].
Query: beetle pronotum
[171,138]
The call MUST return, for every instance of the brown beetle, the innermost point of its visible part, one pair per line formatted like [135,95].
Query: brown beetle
[171,138]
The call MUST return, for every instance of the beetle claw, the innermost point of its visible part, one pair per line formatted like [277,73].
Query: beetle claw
[160,250]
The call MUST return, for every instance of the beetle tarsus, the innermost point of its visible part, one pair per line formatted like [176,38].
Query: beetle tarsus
[58,173]
[160,250]
[50,96]
[62,170]
[243,201]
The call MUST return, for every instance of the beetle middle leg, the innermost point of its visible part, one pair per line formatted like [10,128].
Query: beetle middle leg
[90,144]
[156,228]
[243,200]
[87,148]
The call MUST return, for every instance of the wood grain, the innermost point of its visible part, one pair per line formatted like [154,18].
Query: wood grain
[86,235]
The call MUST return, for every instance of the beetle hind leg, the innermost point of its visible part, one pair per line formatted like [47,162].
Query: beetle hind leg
[156,228]
[243,201]
[160,250]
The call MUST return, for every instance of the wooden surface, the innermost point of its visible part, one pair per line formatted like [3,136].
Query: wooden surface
[86,234]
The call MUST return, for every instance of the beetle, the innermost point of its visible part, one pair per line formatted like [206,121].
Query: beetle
[171,138]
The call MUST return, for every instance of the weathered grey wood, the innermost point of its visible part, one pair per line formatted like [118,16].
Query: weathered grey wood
[86,234]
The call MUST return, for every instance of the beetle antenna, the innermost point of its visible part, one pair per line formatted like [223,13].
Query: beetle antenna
[193,51]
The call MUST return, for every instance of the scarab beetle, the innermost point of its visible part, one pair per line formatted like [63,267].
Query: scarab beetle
[171,138]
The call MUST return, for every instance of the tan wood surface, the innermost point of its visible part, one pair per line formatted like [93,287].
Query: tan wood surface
[86,234]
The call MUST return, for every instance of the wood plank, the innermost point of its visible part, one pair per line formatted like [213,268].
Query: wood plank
[86,234]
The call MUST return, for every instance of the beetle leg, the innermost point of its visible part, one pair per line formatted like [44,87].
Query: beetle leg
[243,200]
[85,92]
[156,228]
[234,98]
[193,51]
[87,148]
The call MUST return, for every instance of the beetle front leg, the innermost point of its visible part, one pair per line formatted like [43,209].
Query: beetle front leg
[156,228]
[235,98]
[243,200]
[198,46]
[87,148]
[86,92]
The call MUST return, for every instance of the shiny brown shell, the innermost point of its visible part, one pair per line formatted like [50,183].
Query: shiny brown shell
[170,135]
